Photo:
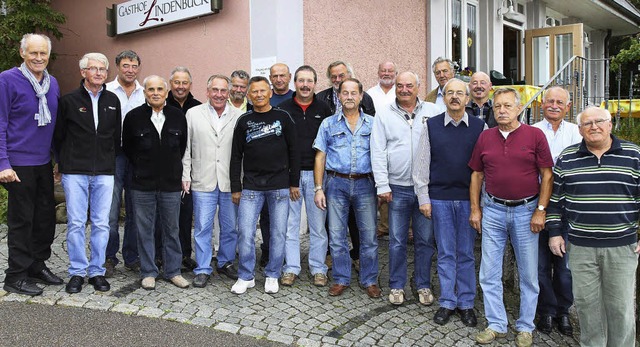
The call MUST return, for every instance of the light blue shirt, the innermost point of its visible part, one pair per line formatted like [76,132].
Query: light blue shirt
[346,152]
[94,105]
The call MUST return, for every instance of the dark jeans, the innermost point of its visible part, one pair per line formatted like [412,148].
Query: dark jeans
[185,222]
[31,219]
[121,182]
[554,279]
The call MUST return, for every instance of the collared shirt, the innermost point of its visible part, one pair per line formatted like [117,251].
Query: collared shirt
[346,152]
[242,107]
[127,103]
[566,135]
[216,119]
[158,118]
[480,111]
[336,101]
[94,104]
[448,119]
[380,98]
[440,99]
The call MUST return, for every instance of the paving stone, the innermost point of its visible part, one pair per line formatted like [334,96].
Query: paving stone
[230,328]
[73,301]
[305,342]
[125,308]
[253,332]
[151,312]
[280,337]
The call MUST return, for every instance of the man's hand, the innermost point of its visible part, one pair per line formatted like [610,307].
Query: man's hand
[320,200]
[186,186]
[57,176]
[425,209]
[537,221]
[8,175]
[235,197]
[556,245]
[294,193]
[384,198]
[637,248]
[475,219]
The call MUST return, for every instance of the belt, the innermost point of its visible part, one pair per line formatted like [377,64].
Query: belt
[512,203]
[349,176]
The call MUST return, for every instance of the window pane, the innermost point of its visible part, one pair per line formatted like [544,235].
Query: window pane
[456,34]
[472,29]
[564,49]
[541,60]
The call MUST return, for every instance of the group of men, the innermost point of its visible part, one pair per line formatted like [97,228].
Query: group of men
[449,168]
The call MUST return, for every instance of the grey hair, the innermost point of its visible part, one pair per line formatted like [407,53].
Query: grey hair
[128,54]
[338,63]
[241,74]
[99,57]
[146,79]
[466,85]
[506,91]
[442,60]
[415,75]
[220,77]
[544,96]
[180,69]
[27,37]
[604,112]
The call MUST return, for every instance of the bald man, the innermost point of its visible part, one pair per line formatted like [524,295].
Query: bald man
[280,76]
[480,105]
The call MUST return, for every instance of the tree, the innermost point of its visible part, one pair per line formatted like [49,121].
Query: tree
[18,17]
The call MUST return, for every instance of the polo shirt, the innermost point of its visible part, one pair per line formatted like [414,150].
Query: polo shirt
[511,166]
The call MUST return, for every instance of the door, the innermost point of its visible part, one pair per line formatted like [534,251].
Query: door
[548,49]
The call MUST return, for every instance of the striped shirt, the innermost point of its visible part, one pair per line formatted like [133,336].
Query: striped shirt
[598,199]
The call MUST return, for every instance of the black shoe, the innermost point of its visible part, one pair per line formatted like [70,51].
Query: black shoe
[229,271]
[100,283]
[442,316]
[468,317]
[564,325]
[135,266]
[545,324]
[264,259]
[47,277]
[189,263]
[74,285]
[200,281]
[23,286]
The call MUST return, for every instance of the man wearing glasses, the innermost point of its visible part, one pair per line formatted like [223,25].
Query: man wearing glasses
[86,140]
[515,162]
[596,198]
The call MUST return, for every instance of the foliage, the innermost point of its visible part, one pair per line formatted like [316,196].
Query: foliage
[25,16]
[627,55]
[3,206]
[629,130]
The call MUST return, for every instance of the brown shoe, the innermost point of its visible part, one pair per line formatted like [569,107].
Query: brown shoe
[287,279]
[320,280]
[337,289]
[373,291]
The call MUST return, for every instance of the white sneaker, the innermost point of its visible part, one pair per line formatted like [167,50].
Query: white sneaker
[241,286]
[396,296]
[271,285]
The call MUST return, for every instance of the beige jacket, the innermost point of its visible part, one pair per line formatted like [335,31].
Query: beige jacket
[206,160]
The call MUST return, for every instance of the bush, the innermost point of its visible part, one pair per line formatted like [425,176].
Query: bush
[3,206]
[629,130]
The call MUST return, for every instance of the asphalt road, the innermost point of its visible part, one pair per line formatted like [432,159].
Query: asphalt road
[24,324]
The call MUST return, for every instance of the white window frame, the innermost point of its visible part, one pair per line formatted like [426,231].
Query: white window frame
[463,32]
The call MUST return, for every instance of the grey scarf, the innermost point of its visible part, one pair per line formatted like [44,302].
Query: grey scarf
[44,115]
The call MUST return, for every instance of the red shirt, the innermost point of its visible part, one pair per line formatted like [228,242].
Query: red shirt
[511,166]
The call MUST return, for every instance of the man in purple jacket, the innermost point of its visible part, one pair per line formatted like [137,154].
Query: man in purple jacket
[28,106]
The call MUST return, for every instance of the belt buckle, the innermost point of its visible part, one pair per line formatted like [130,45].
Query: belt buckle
[351,176]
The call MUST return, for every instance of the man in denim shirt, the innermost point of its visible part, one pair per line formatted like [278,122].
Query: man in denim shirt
[342,148]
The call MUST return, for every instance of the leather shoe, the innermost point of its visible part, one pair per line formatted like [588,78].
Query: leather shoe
[47,277]
[22,286]
[337,289]
[468,317]
[188,263]
[200,281]
[545,324]
[373,291]
[443,315]
[228,270]
[100,283]
[564,325]
[74,285]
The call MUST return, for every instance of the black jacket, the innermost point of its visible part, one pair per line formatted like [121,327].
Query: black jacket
[156,161]
[488,117]
[80,147]
[307,125]
[366,105]
[189,103]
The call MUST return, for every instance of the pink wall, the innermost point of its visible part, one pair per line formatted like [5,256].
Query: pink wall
[213,44]
[365,33]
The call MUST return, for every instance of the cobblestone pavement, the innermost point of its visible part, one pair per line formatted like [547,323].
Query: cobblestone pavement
[301,315]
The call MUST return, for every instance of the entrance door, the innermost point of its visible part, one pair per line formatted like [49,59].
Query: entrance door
[548,49]
[511,63]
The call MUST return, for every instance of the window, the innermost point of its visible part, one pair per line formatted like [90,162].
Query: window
[464,33]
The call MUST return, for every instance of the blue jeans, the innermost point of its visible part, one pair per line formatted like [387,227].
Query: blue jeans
[500,223]
[317,233]
[146,203]
[251,203]
[403,209]
[81,193]
[361,194]
[129,242]
[456,261]
[554,279]
[204,206]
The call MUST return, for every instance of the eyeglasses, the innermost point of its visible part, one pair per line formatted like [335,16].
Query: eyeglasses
[94,69]
[458,93]
[598,122]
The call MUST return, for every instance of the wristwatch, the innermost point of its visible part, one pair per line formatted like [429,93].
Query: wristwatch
[540,208]
[316,188]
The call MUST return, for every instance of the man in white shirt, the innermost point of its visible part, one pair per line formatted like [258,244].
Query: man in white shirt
[131,95]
